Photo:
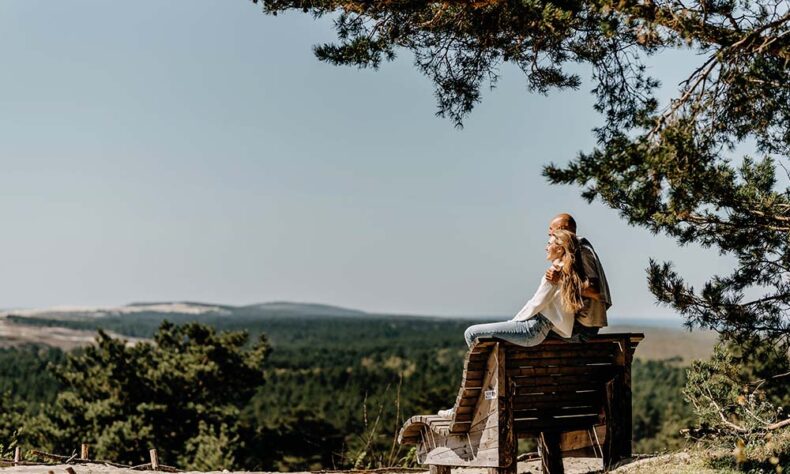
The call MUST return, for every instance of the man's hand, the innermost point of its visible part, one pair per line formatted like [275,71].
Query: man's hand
[553,275]
[590,290]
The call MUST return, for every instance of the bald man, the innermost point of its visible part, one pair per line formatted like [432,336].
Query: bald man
[595,289]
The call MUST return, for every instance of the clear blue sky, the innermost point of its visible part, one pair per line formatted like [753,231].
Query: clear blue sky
[196,150]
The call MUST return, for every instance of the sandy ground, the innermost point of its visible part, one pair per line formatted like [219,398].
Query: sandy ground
[682,462]
[572,466]
[14,334]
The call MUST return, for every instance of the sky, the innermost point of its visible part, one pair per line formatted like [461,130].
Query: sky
[196,150]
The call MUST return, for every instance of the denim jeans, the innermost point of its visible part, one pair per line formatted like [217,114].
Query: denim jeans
[523,333]
[581,333]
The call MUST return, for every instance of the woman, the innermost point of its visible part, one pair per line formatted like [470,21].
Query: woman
[551,308]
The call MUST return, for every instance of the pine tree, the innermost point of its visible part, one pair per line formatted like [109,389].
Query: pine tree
[671,168]
[181,394]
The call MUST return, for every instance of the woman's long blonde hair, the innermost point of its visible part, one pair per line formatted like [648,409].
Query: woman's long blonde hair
[570,282]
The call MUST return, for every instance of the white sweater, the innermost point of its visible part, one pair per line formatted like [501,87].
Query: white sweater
[548,302]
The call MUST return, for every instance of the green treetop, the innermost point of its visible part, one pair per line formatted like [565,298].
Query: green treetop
[181,394]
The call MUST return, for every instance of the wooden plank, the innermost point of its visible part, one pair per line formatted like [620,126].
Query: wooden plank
[473,374]
[526,400]
[565,362]
[468,392]
[548,404]
[481,405]
[583,443]
[589,346]
[576,354]
[559,380]
[588,387]
[530,371]
[564,424]
[465,402]
[551,412]
[463,418]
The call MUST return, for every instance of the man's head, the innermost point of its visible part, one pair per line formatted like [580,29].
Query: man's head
[562,222]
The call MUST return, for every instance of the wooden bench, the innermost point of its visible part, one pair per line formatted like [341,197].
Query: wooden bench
[575,398]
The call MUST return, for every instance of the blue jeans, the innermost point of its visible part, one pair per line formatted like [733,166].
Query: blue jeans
[523,333]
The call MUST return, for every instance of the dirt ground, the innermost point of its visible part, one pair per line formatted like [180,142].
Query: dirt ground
[572,466]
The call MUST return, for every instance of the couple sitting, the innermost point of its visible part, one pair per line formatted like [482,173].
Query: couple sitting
[571,300]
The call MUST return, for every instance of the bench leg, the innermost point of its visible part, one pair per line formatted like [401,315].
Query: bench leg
[439,469]
[618,422]
[550,454]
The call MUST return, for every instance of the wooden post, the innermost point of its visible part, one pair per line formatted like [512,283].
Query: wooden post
[154,460]
[617,408]
[84,451]
[439,469]
[550,454]
[628,420]
[71,470]
[17,454]
[508,443]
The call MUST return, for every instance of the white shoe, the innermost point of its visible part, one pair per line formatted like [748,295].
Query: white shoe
[449,413]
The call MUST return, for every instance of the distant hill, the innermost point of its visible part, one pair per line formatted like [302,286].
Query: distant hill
[303,309]
[295,323]
[189,309]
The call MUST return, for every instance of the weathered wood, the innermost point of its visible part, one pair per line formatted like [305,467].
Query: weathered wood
[627,406]
[583,443]
[562,424]
[572,400]
[550,454]
[552,411]
[154,459]
[560,379]
[568,394]
[581,387]
[462,410]
[558,371]
[615,433]
[508,442]
[566,362]
[473,374]
[469,401]
[528,400]
[70,470]
[84,451]
[565,354]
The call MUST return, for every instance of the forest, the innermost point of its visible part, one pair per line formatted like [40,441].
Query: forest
[276,393]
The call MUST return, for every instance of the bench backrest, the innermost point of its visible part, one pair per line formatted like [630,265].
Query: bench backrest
[555,386]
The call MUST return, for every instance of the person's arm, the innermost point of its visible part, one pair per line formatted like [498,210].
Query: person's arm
[590,290]
[590,284]
[541,298]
